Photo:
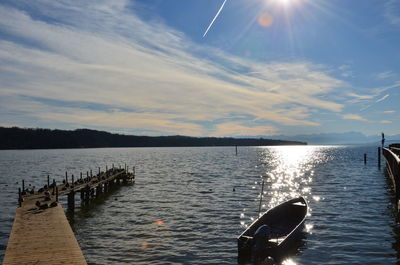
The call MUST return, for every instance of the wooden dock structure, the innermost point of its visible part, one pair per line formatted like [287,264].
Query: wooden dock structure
[392,156]
[41,233]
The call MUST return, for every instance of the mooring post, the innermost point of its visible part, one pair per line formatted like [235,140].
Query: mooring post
[236,149]
[66,177]
[379,157]
[54,187]
[19,197]
[106,168]
[91,173]
[73,180]
[365,158]
[82,191]
[48,181]
[71,200]
[56,194]
[23,185]
[87,194]
[113,166]
[99,171]
[81,176]
[134,170]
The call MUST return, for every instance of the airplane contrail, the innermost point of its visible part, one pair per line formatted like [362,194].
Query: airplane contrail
[212,22]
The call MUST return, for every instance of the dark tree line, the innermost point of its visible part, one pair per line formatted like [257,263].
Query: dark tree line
[23,138]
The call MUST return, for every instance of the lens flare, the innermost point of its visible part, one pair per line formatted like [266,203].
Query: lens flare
[265,20]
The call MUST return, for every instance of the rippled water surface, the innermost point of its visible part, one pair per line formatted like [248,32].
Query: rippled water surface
[188,205]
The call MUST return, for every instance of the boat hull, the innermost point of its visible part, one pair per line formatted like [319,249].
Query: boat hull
[286,221]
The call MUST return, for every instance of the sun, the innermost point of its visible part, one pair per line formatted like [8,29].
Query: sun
[285,2]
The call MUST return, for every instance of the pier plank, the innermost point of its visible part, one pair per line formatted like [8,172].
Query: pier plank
[42,237]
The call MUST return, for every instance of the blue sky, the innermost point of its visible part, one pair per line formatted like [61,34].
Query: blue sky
[265,67]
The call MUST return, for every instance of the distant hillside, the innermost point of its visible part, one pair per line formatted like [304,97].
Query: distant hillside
[355,138]
[21,138]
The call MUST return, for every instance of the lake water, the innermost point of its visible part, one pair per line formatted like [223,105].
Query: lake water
[188,205]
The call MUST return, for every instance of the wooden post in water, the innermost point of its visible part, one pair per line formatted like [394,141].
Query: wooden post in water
[19,197]
[23,185]
[365,158]
[99,171]
[106,168]
[48,181]
[236,149]
[71,200]
[81,176]
[54,187]
[379,157]
[73,180]
[66,177]
[56,194]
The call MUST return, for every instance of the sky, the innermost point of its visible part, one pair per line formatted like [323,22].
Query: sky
[146,67]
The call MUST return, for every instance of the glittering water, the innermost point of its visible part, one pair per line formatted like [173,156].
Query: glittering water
[188,205]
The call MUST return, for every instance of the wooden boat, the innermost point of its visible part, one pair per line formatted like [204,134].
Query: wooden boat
[284,222]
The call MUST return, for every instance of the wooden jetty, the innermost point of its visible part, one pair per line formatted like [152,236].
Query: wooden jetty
[392,156]
[41,233]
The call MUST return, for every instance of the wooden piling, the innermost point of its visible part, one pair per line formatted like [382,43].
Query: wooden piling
[48,181]
[71,201]
[23,185]
[365,158]
[66,177]
[19,198]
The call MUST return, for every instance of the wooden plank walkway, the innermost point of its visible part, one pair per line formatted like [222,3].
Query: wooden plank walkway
[42,235]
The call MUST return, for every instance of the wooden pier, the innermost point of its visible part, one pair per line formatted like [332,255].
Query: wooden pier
[392,156]
[41,233]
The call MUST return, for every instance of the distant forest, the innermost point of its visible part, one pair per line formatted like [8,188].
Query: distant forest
[23,138]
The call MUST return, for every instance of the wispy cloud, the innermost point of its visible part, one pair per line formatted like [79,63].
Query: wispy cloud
[353,117]
[386,121]
[102,54]
[392,12]
[389,111]
[385,75]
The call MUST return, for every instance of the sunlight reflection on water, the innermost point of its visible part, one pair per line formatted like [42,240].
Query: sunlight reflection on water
[288,175]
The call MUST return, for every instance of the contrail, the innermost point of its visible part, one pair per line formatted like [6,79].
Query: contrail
[212,22]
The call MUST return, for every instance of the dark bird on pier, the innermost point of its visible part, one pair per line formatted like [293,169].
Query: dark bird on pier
[43,206]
